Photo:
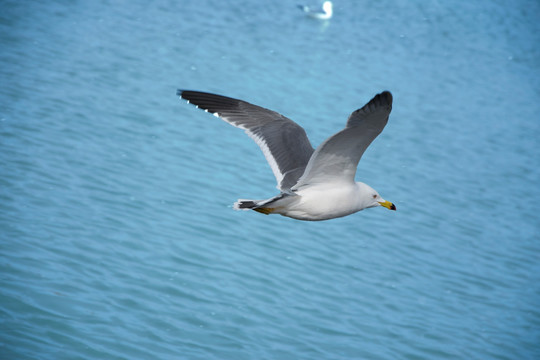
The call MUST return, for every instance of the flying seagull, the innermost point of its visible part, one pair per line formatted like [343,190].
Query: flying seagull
[314,184]
[325,14]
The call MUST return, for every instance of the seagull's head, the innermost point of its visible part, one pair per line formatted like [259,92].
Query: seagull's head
[327,7]
[373,199]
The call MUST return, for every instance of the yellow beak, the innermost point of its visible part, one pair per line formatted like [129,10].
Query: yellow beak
[388,205]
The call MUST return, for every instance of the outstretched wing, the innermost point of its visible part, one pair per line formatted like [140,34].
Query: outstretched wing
[283,142]
[336,159]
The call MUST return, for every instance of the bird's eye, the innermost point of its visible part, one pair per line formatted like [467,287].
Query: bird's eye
[374,196]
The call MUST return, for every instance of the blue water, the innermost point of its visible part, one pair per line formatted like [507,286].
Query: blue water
[117,235]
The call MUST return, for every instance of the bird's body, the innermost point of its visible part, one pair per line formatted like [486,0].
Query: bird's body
[314,184]
[324,14]
[318,202]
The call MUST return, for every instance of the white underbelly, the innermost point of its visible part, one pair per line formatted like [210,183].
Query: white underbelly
[322,203]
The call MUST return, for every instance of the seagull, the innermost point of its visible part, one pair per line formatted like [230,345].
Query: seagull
[314,184]
[325,14]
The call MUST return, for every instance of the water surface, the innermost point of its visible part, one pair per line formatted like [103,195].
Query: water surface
[117,236]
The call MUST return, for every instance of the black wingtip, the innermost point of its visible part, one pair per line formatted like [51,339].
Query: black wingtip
[179,92]
[387,96]
[384,98]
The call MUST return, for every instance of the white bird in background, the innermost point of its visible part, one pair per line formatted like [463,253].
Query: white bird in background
[314,184]
[325,14]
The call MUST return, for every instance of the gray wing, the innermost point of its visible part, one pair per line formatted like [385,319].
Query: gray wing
[336,159]
[283,142]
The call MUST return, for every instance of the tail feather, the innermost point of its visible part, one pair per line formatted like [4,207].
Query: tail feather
[261,206]
[245,204]
[257,206]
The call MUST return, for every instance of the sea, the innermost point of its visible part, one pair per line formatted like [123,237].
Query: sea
[118,239]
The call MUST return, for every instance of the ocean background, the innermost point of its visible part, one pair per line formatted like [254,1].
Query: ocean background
[117,235]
